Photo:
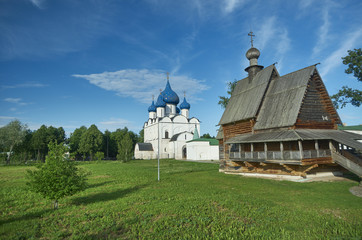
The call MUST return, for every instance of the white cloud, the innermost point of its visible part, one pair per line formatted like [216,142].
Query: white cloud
[334,59]
[25,85]
[305,4]
[12,100]
[275,37]
[38,3]
[266,32]
[17,101]
[322,33]
[231,5]
[141,84]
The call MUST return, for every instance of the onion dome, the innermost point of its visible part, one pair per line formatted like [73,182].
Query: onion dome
[169,96]
[178,110]
[252,53]
[160,102]
[152,108]
[185,104]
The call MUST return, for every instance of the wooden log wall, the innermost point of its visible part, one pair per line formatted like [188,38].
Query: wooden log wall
[233,129]
[317,110]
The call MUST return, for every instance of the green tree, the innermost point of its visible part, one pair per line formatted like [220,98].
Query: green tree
[57,177]
[99,156]
[349,95]
[12,135]
[24,151]
[125,149]
[91,141]
[206,135]
[74,141]
[39,142]
[141,136]
[223,102]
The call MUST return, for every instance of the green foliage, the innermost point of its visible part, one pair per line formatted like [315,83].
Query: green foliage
[74,141]
[57,177]
[354,62]
[125,149]
[11,135]
[99,156]
[141,136]
[192,201]
[91,141]
[225,100]
[348,95]
[206,135]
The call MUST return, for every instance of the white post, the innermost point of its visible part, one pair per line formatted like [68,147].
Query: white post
[158,155]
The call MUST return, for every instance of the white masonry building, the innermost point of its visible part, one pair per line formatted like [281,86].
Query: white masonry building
[169,126]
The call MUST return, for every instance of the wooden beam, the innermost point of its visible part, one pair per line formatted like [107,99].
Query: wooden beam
[310,168]
[316,145]
[266,150]
[282,149]
[300,149]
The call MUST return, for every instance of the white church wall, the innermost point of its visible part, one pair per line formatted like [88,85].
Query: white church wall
[201,150]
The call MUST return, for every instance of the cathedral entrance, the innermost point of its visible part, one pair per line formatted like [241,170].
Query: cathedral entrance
[184,153]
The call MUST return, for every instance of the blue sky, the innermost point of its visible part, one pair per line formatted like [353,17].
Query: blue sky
[71,63]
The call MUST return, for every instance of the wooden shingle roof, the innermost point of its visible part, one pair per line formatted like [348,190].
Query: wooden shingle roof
[283,100]
[247,96]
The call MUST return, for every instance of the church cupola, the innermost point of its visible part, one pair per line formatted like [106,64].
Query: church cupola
[252,55]
[185,107]
[152,110]
[160,106]
[170,98]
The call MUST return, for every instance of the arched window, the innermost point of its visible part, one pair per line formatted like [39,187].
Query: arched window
[166,134]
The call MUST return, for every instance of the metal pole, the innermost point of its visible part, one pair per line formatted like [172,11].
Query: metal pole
[158,155]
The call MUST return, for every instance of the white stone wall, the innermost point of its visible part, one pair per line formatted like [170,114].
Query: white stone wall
[201,150]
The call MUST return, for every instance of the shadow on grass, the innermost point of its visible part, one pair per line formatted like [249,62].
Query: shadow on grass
[95,185]
[27,216]
[106,196]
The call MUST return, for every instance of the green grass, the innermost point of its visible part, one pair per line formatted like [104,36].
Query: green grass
[192,201]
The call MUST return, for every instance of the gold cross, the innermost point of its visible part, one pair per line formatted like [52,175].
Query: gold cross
[167,75]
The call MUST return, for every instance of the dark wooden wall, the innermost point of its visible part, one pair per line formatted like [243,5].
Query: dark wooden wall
[317,110]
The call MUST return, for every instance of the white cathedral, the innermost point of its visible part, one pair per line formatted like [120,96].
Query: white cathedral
[169,126]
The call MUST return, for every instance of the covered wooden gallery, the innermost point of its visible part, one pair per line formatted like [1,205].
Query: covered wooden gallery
[284,125]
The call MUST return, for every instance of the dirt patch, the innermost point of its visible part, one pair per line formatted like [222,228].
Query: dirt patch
[356,190]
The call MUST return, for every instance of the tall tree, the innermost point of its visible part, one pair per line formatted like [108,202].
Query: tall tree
[12,135]
[125,148]
[74,140]
[141,136]
[39,142]
[349,95]
[223,102]
[57,177]
[91,141]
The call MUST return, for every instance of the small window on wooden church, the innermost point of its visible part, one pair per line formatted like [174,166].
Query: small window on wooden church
[166,134]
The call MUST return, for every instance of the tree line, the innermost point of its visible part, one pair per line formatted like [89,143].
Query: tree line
[18,144]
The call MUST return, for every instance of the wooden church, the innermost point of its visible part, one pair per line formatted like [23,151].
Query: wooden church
[284,125]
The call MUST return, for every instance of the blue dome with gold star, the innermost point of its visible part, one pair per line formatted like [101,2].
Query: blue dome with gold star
[169,96]
[160,102]
[185,104]
[152,108]
[178,110]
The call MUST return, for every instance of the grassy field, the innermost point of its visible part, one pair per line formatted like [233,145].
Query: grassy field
[192,201]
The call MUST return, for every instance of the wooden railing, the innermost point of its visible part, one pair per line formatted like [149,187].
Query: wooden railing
[277,155]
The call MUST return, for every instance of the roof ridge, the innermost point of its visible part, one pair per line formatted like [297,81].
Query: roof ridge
[303,69]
